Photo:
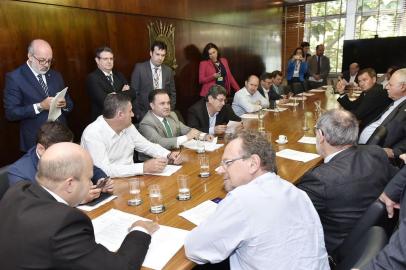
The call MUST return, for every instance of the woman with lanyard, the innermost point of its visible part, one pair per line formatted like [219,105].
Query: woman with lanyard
[297,68]
[214,69]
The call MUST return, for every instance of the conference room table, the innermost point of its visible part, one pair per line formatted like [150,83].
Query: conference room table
[289,123]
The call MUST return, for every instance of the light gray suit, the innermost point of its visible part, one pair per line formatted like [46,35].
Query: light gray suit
[324,67]
[142,83]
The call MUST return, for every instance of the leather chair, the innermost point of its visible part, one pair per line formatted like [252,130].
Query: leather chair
[378,136]
[3,181]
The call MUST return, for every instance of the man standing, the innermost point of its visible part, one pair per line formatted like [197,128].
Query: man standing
[41,229]
[264,222]
[319,68]
[248,99]
[372,101]
[29,92]
[350,179]
[351,76]
[150,75]
[211,114]
[104,80]
[112,139]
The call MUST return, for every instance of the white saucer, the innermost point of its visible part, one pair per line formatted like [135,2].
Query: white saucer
[281,142]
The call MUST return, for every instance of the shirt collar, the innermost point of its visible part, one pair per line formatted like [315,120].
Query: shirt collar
[153,66]
[107,73]
[329,157]
[161,119]
[398,101]
[56,196]
[33,71]
[246,92]
[108,129]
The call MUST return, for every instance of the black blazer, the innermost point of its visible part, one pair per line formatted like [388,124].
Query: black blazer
[272,95]
[37,232]
[98,87]
[346,76]
[342,189]
[198,116]
[368,106]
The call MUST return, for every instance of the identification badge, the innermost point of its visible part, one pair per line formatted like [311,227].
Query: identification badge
[220,79]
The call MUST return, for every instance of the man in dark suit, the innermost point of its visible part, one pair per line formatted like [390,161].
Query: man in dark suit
[268,90]
[351,75]
[372,101]
[150,75]
[393,119]
[50,133]
[211,114]
[319,68]
[41,229]
[29,91]
[104,80]
[348,181]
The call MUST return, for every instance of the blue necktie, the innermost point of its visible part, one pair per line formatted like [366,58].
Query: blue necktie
[43,85]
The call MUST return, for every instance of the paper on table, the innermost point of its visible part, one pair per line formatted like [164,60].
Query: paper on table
[249,116]
[199,213]
[208,146]
[289,104]
[306,94]
[298,98]
[90,208]
[296,155]
[306,139]
[317,90]
[55,112]
[111,228]
[168,171]
[232,125]
[277,110]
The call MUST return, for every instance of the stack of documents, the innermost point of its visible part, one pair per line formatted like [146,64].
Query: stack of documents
[208,146]
[298,98]
[249,116]
[305,94]
[55,112]
[317,90]
[168,171]
[276,110]
[199,213]
[309,140]
[296,155]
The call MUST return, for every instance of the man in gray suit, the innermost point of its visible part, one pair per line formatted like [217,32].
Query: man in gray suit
[162,126]
[319,68]
[150,75]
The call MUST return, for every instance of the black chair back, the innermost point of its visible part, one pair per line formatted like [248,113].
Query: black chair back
[3,181]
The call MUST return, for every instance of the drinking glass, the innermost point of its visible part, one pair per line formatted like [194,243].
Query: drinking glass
[155,197]
[135,191]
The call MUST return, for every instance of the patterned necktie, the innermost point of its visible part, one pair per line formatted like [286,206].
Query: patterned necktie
[167,128]
[43,85]
[156,78]
[110,79]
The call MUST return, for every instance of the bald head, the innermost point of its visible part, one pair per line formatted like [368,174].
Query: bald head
[40,55]
[354,68]
[397,84]
[252,84]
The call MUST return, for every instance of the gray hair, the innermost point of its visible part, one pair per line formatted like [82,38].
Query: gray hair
[402,75]
[339,127]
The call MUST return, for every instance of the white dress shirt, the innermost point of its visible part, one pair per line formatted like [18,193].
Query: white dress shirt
[212,121]
[159,74]
[113,153]
[244,102]
[265,224]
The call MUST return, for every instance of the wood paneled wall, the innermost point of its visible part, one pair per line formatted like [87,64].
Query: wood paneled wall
[246,32]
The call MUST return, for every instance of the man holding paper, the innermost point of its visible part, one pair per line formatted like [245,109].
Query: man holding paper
[41,229]
[29,91]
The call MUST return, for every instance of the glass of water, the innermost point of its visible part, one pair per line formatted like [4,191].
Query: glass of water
[183,185]
[155,197]
[204,166]
[135,191]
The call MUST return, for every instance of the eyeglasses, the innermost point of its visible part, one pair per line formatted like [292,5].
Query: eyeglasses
[106,58]
[226,163]
[221,100]
[43,61]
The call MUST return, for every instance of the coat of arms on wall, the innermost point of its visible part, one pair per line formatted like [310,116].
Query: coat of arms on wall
[165,33]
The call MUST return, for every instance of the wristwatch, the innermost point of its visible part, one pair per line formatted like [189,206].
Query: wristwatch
[39,108]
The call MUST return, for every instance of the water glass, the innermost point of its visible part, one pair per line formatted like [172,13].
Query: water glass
[184,190]
[155,197]
[204,166]
[135,191]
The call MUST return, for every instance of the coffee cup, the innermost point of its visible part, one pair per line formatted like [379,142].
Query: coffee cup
[282,139]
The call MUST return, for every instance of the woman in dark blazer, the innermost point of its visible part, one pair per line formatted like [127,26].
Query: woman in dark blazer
[214,69]
[296,70]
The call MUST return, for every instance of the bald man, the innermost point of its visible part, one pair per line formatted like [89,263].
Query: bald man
[40,229]
[248,99]
[351,75]
[29,90]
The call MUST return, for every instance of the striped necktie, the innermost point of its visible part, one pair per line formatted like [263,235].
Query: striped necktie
[156,78]
[167,128]
[43,84]
[110,79]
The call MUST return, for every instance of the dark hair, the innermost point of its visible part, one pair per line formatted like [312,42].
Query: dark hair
[304,44]
[153,93]
[53,132]
[216,90]
[276,73]
[103,49]
[206,49]
[318,46]
[113,103]
[295,51]
[159,44]
[265,75]
[370,71]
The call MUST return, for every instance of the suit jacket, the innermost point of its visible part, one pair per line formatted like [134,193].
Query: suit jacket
[291,68]
[346,76]
[198,117]
[342,189]
[368,106]
[324,66]
[142,83]
[22,90]
[37,232]
[98,87]
[206,79]
[395,124]
[26,168]
[151,128]
[272,95]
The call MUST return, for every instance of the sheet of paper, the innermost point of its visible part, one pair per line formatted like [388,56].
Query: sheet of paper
[309,140]
[90,208]
[306,94]
[296,155]
[208,146]
[249,116]
[199,213]
[289,104]
[298,98]
[55,112]
[317,90]
[276,109]
[111,228]
[232,125]
[168,171]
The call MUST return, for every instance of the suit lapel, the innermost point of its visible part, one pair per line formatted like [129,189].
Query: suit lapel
[30,77]
[393,113]
[105,81]
[148,73]
[172,124]
[158,124]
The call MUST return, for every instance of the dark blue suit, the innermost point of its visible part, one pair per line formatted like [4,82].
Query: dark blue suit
[26,167]
[22,90]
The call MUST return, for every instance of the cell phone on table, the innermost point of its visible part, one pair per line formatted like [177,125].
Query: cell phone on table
[102,183]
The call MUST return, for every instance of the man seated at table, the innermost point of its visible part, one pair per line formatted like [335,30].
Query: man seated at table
[50,133]
[264,222]
[393,119]
[248,99]
[277,79]
[161,125]
[111,140]
[267,90]
[349,180]
[350,76]
[211,114]
[41,229]
[372,101]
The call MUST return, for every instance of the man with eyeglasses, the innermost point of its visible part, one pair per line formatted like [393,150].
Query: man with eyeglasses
[264,222]
[105,80]
[211,114]
[29,91]
[350,179]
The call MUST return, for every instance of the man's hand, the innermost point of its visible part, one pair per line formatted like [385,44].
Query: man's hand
[126,87]
[389,152]
[390,205]
[208,138]
[46,103]
[155,165]
[193,134]
[175,158]
[108,187]
[341,86]
[317,76]
[150,226]
[61,103]
[93,194]
[403,157]
[220,129]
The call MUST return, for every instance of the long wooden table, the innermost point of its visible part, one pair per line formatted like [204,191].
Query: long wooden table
[288,123]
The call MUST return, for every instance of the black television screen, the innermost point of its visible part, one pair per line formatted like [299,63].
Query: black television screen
[378,53]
